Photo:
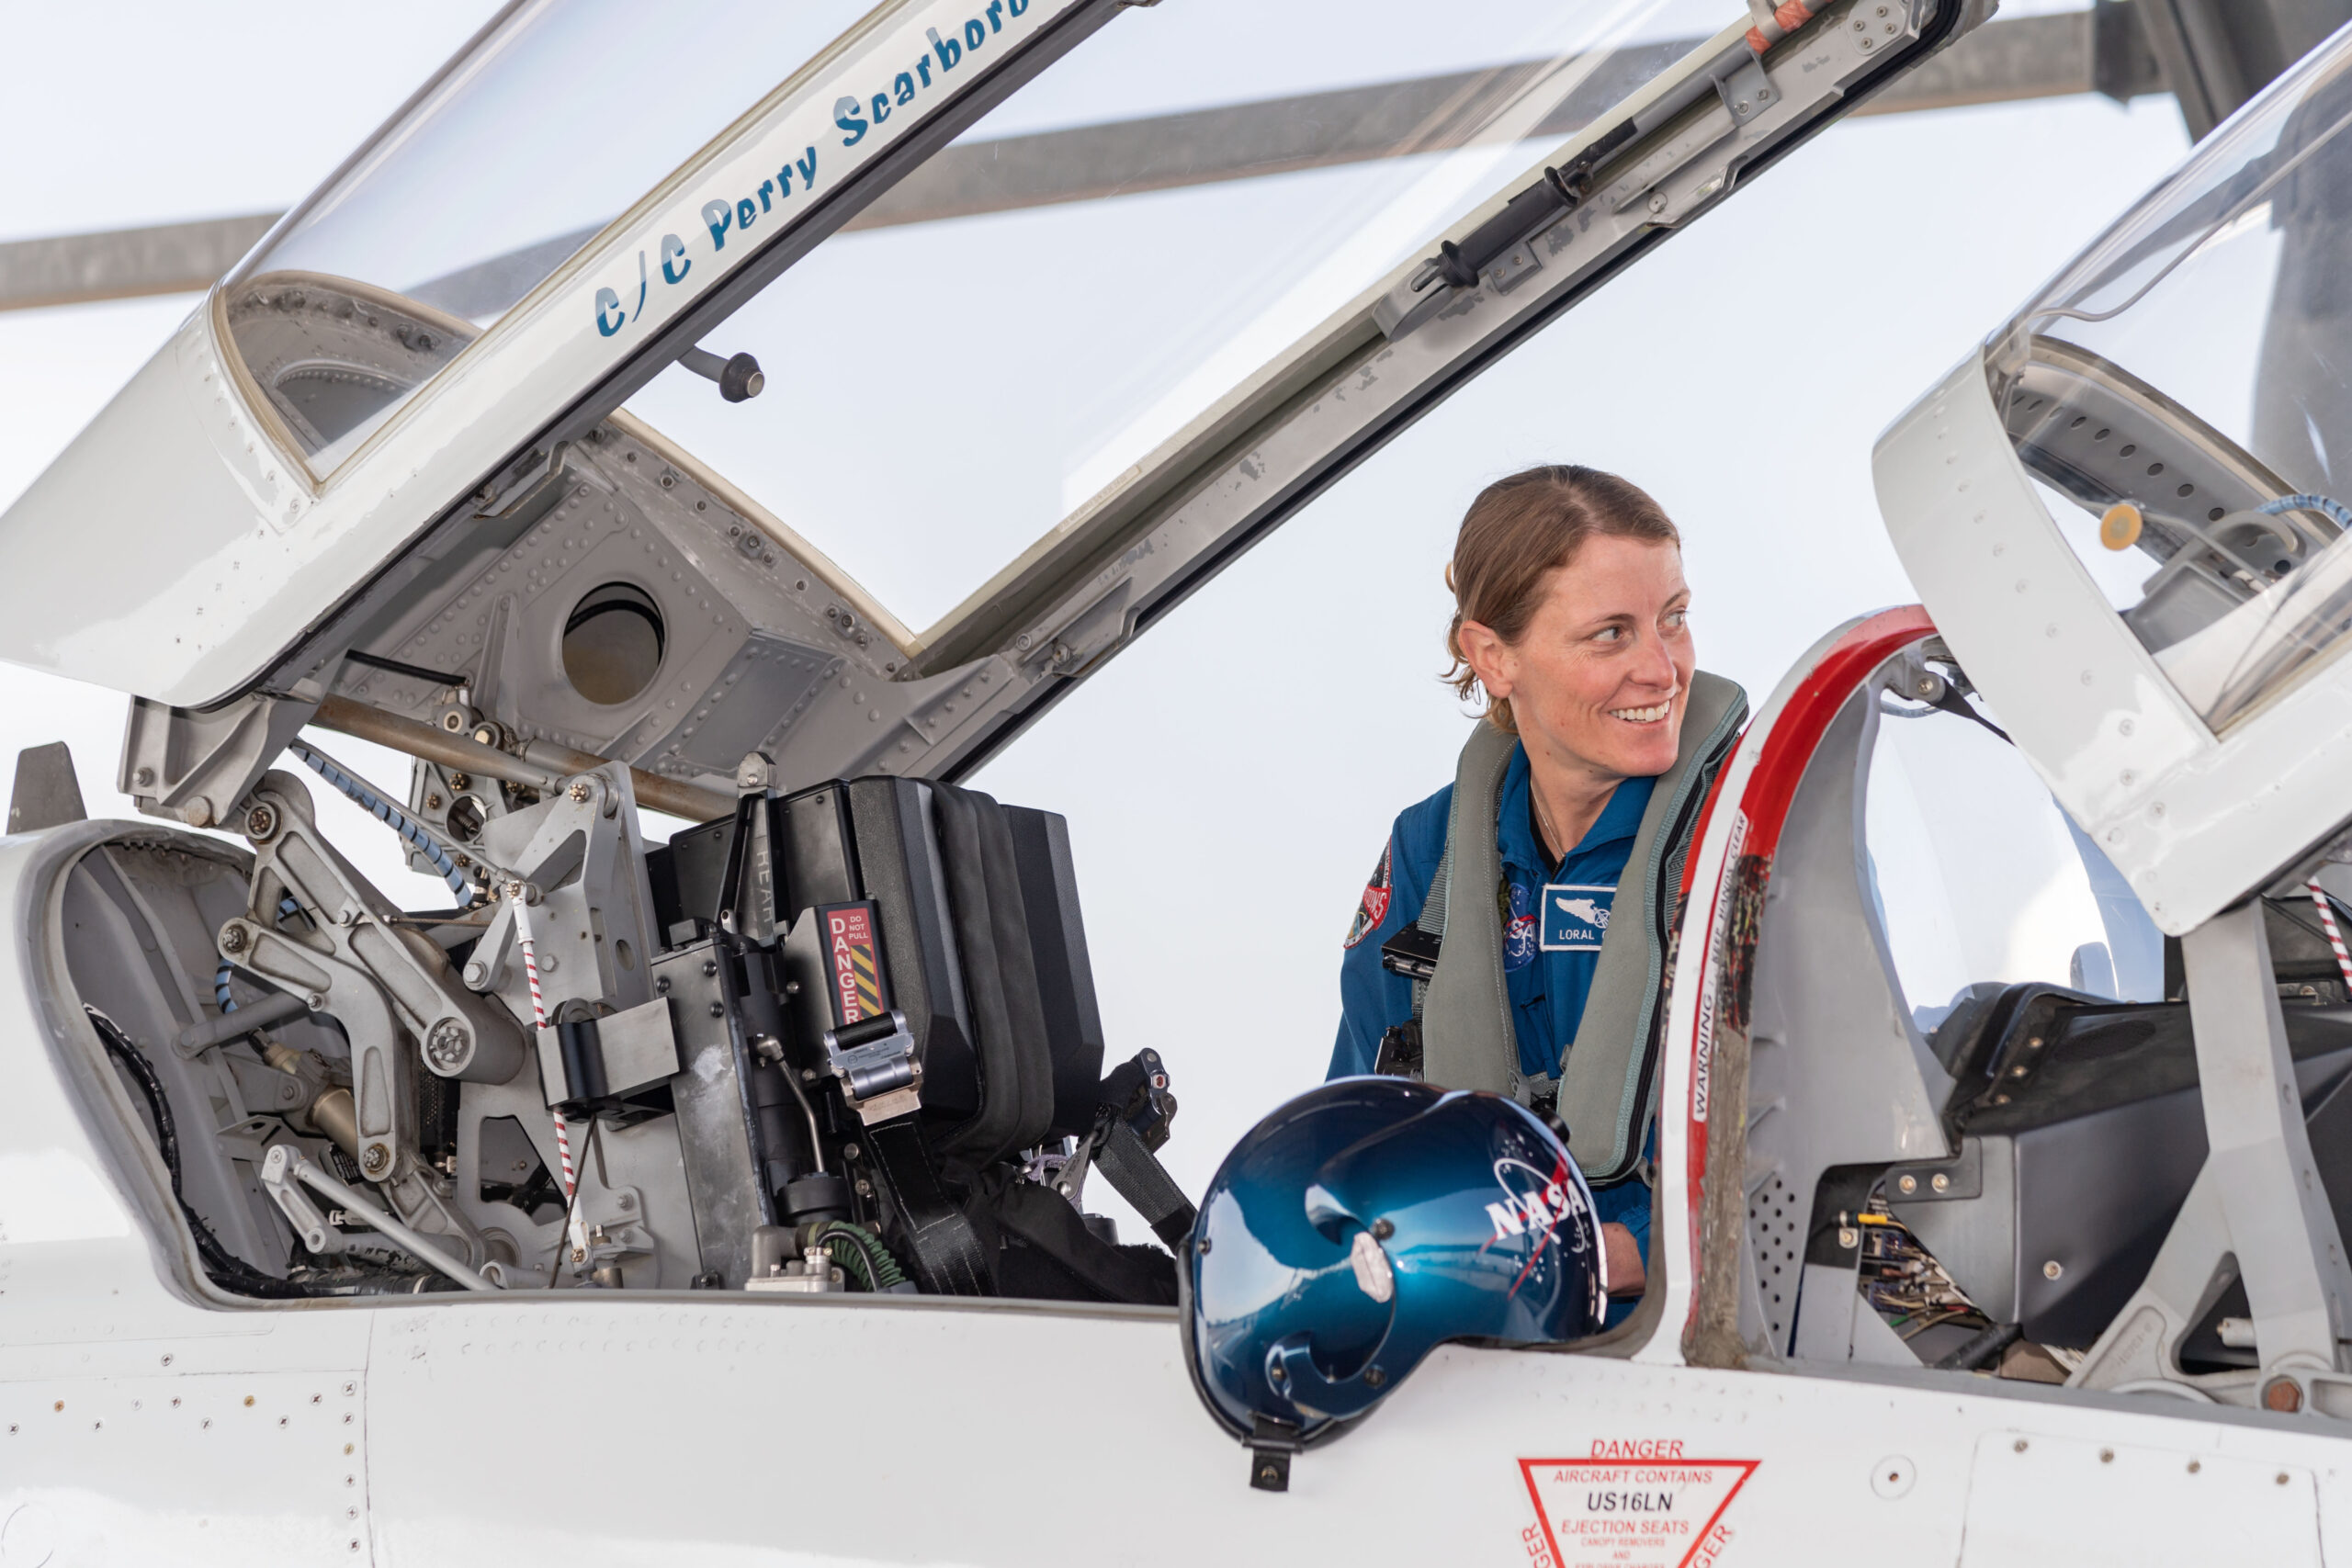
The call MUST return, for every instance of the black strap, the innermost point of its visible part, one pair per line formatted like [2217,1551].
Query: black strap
[948,1259]
[1135,1173]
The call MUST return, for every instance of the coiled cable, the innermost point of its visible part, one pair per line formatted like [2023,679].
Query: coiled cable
[420,838]
[2326,506]
[858,1250]
[222,997]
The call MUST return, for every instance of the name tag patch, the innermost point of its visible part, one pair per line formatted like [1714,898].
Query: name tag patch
[1576,916]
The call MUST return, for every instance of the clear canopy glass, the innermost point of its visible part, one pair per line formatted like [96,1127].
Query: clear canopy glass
[2183,394]
[1981,881]
[997,340]
[546,128]
[1120,245]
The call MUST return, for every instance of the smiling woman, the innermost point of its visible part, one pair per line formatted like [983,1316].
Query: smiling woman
[1573,618]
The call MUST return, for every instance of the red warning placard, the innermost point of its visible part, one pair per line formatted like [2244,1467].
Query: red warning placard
[1635,1503]
[855,957]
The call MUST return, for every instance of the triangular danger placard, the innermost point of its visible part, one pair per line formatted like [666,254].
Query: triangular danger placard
[1634,1505]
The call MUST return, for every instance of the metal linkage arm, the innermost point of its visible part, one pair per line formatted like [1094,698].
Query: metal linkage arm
[286,1167]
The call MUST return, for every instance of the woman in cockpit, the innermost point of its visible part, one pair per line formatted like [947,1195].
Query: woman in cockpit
[1599,739]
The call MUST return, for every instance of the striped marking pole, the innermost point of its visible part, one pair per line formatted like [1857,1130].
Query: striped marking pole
[523,939]
[2334,937]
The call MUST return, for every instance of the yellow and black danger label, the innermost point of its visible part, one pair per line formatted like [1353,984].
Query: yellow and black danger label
[854,957]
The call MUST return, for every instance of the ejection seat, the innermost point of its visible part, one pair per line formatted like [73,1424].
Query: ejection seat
[984,981]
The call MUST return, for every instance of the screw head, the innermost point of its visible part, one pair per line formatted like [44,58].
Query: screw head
[233,938]
[1907,1185]
[144,778]
[578,791]
[376,1159]
[1942,1182]
[261,821]
[2053,1269]
[1657,201]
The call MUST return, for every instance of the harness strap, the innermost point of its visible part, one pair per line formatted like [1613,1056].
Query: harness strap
[1137,1175]
[1433,916]
[1467,1037]
[1609,1074]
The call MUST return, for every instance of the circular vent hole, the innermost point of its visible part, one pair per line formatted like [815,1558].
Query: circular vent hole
[612,644]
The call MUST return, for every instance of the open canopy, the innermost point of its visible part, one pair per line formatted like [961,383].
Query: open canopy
[1042,349]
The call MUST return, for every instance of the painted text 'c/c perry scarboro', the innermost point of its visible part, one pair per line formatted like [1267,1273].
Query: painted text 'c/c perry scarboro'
[738,215]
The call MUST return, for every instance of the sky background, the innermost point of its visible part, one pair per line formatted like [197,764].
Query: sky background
[1231,779]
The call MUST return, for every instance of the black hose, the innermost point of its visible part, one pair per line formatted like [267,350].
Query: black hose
[219,1261]
[1981,1347]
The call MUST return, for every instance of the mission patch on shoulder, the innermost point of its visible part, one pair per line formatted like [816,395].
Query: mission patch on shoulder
[1374,906]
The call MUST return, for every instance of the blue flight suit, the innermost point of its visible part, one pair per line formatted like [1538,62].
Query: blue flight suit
[1550,943]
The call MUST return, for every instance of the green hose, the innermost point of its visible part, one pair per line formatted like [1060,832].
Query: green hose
[858,1250]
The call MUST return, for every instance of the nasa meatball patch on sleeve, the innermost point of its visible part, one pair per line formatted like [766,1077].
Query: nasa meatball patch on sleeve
[1373,908]
[1576,916]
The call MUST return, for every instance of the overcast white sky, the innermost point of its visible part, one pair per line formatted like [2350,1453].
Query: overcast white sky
[1231,779]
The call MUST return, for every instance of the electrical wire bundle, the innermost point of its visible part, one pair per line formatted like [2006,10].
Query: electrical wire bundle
[1902,1282]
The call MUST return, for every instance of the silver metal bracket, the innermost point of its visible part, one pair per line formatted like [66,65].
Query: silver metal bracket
[880,1075]
[195,767]
[2258,1211]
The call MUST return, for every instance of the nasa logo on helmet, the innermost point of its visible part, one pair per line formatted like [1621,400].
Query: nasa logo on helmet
[1360,1226]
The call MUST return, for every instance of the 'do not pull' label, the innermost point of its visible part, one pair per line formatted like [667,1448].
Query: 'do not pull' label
[1631,1502]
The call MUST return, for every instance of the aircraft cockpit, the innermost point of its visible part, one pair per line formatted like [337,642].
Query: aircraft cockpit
[617,431]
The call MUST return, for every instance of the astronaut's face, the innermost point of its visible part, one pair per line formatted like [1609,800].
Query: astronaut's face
[1599,682]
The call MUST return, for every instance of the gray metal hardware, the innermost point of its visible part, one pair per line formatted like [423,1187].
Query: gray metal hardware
[2258,1211]
[195,767]
[880,1075]
[635,1050]
[1960,1176]
[389,985]
[582,852]
[714,1137]
[47,795]
[286,1166]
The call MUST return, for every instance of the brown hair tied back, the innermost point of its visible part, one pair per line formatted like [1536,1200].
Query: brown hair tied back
[1517,533]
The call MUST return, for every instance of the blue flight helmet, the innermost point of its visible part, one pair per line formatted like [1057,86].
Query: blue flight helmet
[1362,1224]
